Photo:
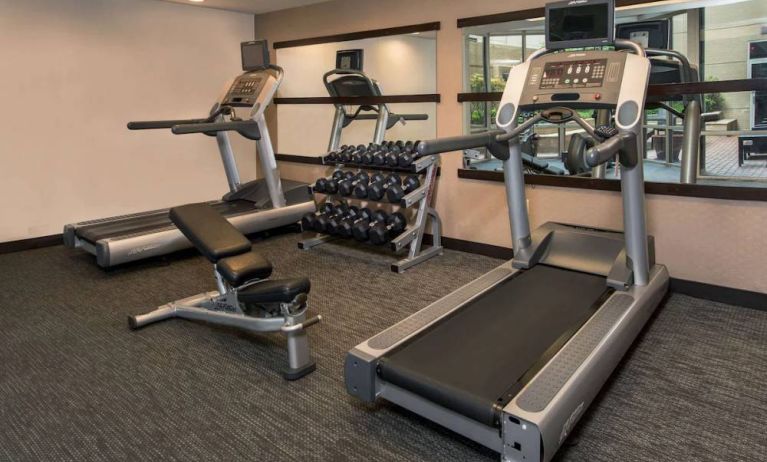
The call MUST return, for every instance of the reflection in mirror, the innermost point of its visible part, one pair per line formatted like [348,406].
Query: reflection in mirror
[720,39]
[393,65]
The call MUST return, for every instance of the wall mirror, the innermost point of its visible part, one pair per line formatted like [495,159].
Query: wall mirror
[402,66]
[724,41]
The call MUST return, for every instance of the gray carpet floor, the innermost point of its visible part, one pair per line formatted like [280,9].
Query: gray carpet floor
[77,385]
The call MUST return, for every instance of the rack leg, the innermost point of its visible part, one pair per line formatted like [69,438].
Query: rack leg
[318,239]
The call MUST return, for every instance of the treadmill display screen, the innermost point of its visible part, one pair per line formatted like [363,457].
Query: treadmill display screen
[255,55]
[573,74]
[579,23]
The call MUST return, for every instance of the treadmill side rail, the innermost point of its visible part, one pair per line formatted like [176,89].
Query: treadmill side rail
[552,403]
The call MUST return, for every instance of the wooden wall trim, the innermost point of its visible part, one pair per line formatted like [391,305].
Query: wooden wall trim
[519,15]
[425,27]
[664,189]
[671,89]
[360,100]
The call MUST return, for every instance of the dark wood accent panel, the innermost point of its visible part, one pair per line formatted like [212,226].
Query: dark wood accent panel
[664,189]
[724,86]
[29,244]
[479,96]
[358,100]
[501,17]
[426,27]
[524,14]
[300,159]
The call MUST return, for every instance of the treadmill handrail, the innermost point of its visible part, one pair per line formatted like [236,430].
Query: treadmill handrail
[247,128]
[158,124]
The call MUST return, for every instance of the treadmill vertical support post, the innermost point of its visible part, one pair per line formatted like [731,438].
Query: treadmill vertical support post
[227,157]
[338,125]
[269,164]
[381,124]
[514,178]
[629,119]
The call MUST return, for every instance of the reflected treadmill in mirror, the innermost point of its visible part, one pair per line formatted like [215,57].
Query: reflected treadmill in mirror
[354,83]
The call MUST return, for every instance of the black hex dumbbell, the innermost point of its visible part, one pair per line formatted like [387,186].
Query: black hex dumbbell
[323,184]
[381,233]
[308,220]
[334,222]
[392,157]
[388,149]
[361,229]
[321,222]
[367,157]
[346,156]
[345,227]
[377,190]
[410,155]
[347,185]
[361,189]
[396,192]
[333,156]
[331,184]
[320,219]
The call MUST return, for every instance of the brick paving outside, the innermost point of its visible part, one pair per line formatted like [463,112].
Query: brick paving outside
[722,159]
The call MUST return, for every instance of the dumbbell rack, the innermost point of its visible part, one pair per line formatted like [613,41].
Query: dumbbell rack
[413,234]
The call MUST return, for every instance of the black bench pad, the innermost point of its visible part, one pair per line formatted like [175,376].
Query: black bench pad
[211,233]
[278,290]
[244,267]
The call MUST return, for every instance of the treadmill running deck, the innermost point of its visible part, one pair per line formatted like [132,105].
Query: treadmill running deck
[475,361]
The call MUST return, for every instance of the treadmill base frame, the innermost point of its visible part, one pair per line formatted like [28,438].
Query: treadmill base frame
[542,415]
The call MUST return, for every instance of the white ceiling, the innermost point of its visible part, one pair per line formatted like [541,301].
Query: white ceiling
[249,6]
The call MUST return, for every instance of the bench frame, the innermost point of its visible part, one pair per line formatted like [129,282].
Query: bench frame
[223,307]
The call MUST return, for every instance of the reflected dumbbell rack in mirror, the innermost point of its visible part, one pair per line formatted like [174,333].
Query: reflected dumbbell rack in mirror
[378,194]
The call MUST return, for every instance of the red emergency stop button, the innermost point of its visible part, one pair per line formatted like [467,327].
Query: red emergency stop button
[597,96]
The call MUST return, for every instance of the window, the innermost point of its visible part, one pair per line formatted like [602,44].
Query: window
[723,40]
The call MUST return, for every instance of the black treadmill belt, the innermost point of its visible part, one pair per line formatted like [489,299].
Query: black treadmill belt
[483,354]
[151,222]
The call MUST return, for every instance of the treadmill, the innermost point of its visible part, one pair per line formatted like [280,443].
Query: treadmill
[668,66]
[348,80]
[258,205]
[513,359]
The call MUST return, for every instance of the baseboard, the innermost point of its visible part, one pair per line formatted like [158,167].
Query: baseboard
[721,294]
[478,248]
[29,244]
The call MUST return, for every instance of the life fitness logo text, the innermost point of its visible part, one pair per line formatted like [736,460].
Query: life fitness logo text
[570,423]
[577,2]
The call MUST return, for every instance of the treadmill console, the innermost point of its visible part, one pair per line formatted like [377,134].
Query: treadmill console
[585,79]
[245,89]
[577,74]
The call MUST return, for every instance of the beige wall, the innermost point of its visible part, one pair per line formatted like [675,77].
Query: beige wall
[712,241]
[73,73]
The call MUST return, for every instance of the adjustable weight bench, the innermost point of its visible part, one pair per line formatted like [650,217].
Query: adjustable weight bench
[246,298]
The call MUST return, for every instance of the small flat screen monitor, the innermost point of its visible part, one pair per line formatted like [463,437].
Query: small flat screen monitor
[349,60]
[255,55]
[649,34]
[580,24]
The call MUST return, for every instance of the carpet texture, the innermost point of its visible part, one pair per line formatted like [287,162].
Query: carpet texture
[77,385]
